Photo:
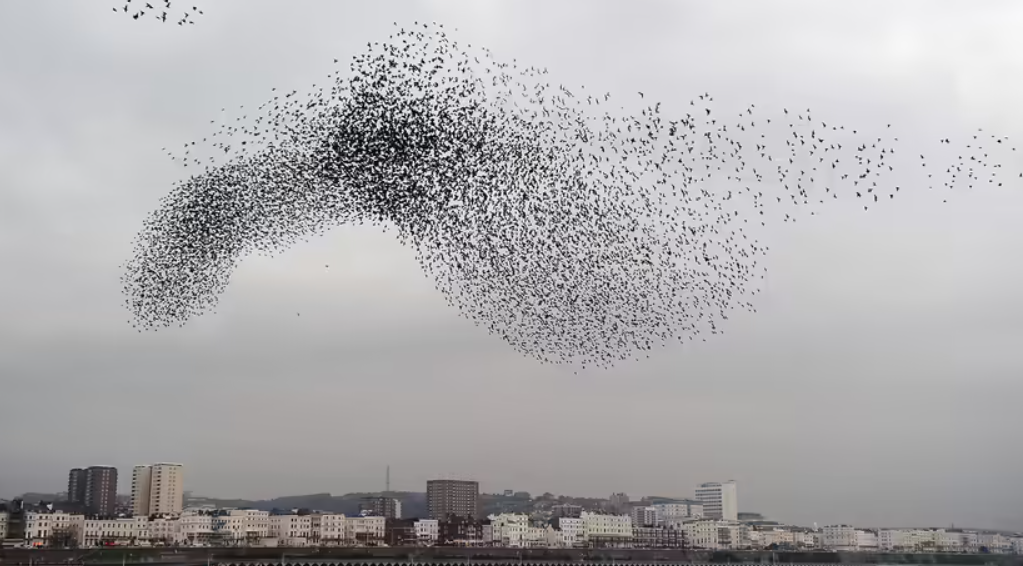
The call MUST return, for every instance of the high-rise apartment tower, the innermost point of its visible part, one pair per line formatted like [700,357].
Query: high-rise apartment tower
[720,500]
[94,488]
[157,489]
[453,498]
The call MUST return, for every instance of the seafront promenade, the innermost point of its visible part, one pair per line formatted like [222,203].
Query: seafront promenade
[450,556]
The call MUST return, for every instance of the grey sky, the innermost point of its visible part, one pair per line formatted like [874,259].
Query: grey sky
[879,384]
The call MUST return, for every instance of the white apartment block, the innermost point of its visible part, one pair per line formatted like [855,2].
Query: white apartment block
[940,540]
[607,528]
[713,534]
[257,523]
[733,535]
[840,537]
[232,526]
[427,531]
[41,528]
[3,525]
[195,526]
[866,540]
[644,516]
[994,542]
[762,538]
[1017,545]
[720,500]
[361,529]
[508,529]
[675,513]
[969,539]
[701,534]
[292,530]
[515,531]
[571,532]
[123,530]
[537,537]
[332,529]
[889,540]
[165,529]
[157,489]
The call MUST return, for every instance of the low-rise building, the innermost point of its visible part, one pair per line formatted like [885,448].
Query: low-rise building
[949,541]
[120,531]
[461,531]
[195,527]
[645,516]
[866,540]
[427,531]
[568,532]
[840,537]
[165,530]
[365,530]
[702,534]
[507,529]
[53,528]
[922,540]
[658,537]
[774,537]
[604,531]
[400,532]
[291,529]
[995,543]
[332,530]
[678,512]
[716,534]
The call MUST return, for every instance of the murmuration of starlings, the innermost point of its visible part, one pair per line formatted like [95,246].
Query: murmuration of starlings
[576,229]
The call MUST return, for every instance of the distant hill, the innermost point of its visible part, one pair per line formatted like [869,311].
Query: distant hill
[33,498]
[413,504]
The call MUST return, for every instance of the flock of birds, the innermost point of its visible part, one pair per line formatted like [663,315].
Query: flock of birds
[578,232]
[161,11]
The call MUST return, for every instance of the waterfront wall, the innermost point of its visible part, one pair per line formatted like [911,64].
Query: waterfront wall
[306,556]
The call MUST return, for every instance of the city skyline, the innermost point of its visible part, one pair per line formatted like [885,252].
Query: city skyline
[669,525]
[711,496]
[878,383]
[712,500]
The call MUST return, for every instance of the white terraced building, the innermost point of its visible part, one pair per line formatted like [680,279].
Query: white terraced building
[332,529]
[515,531]
[611,530]
[427,531]
[124,530]
[765,537]
[291,530]
[840,537]
[713,534]
[41,528]
[570,532]
[364,529]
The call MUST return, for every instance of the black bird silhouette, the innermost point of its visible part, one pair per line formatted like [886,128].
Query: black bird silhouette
[185,19]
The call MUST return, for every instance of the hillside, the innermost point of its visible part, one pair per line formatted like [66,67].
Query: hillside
[413,503]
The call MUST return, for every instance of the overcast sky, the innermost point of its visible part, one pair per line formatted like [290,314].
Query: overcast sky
[879,384]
